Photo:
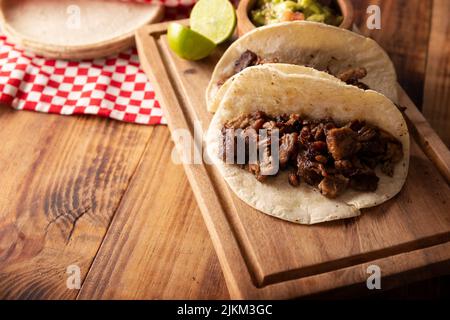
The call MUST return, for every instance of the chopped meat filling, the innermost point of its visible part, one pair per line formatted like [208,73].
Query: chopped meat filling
[247,59]
[342,143]
[322,153]
[333,186]
[288,148]
[351,76]
[294,180]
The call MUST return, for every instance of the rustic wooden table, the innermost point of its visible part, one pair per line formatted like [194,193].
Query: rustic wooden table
[106,196]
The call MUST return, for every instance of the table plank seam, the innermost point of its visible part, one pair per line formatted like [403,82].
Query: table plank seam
[132,176]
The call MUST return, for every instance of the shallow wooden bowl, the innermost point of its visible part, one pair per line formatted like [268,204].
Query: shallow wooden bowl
[245,24]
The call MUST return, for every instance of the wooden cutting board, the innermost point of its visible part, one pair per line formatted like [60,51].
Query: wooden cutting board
[263,257]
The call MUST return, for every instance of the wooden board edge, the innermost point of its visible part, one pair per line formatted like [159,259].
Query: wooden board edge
[156,29]
[414,263]
[429,141]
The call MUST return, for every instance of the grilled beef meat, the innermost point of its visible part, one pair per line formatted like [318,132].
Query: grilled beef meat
[247,59]
[342,143]
[333,185]
[288,148]
[352,76]
[323,153]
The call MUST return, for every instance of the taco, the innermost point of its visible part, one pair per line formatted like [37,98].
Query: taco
[350,57]
[340,148]
[283,67]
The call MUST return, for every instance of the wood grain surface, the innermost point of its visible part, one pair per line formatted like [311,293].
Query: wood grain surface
[60,166]
[169,255]
[436,105]
[404,34]
[62,180]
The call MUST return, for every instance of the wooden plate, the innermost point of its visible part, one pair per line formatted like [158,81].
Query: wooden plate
[408,237]
[75,29]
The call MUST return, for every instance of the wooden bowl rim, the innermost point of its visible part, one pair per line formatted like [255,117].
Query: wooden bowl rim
[245,24]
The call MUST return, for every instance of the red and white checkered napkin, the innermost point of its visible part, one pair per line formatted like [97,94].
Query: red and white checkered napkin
[113,87]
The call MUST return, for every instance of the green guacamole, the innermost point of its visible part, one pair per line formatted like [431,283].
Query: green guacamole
[274,11]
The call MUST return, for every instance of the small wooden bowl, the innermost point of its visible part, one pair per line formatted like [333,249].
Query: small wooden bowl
[245,24]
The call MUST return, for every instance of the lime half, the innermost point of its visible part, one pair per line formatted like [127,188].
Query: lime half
[215,19]
[187,43]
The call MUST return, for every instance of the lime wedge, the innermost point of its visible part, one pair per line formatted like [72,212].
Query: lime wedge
[215,19]
[187,43]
